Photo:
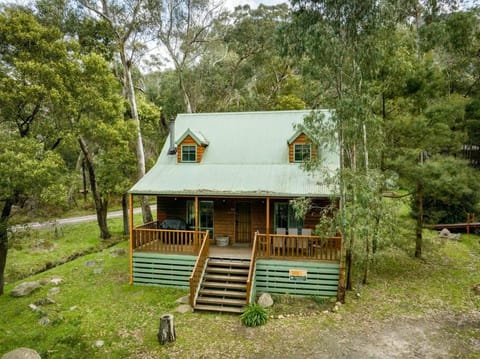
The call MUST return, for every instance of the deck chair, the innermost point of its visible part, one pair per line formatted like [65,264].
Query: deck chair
[303,242]
[278,242]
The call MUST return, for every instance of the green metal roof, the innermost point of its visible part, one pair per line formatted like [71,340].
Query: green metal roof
[247,155]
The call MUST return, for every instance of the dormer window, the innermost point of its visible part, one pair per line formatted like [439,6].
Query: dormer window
[302,152]
[300,148]
[189,153]
[192,145]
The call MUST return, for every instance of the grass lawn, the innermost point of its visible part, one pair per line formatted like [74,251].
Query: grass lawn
[428,302]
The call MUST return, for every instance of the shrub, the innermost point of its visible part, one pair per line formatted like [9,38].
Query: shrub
[254,315]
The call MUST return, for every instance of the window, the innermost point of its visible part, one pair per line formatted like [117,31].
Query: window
[189,153]
[302,152]
[206,215]
[284,216]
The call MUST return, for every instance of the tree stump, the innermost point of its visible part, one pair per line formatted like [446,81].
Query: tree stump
[166,332]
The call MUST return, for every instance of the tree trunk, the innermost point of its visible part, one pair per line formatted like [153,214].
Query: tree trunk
[367,261]
[101,205]
[166,332]
[140,153]
[7,209]
[126,229]
[341,273]
[419,226]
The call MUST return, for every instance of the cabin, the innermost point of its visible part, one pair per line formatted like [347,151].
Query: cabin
[225,226]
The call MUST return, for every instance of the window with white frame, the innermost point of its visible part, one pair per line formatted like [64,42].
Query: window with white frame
[189,153]
[301,152]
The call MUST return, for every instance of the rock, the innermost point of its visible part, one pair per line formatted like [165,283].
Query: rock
[44,321]
[53,291]
[280,316]
[476,288]
[56,280]
[25,289]
[73,308]
[265,300]
[34,307]
[184,308]
[91,263]
[99,343]
[22,353]
[97,270]
[444,233]
[44,301]
[118,252]
[183,300]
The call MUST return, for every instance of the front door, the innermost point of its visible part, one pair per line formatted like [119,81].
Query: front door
[243,227]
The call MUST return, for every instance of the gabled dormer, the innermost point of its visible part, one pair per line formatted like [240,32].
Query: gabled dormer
[191,147]
[300,148]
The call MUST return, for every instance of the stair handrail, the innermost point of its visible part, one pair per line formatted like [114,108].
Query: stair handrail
[198,269]
[251,269]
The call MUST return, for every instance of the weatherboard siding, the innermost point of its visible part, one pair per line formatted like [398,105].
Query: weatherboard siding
[190,141]
[165,270]
[300,140]
[272,276]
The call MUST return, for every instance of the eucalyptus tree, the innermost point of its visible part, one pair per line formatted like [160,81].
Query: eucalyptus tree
[184,32]
[33,98]
[340,41]
[129,21]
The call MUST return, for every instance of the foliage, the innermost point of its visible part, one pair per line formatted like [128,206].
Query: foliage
[254,315]
[451,190]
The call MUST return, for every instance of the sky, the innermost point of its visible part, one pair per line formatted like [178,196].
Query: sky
[231,4]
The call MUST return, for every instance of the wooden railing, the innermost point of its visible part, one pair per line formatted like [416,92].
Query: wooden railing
[299,247]
[251,272]
[196,276]
[149,238]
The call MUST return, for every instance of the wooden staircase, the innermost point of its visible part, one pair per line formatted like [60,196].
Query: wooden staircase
[223,288]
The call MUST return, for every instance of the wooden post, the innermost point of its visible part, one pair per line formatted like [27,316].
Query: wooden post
[166,331]
[130,205]
[468,223]
[197,236]
[267,205]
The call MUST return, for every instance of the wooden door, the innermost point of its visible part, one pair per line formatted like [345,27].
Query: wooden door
[243,226]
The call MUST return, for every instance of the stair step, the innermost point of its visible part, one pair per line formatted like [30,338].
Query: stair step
[223,293]
[214,308]
[237,271]
[220,301]
[225,278]
[213,284]
[229,263]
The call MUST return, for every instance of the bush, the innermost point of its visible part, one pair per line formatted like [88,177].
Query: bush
[254,315]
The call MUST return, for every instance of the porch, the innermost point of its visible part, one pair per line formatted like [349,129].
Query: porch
[150,238]
[227,278]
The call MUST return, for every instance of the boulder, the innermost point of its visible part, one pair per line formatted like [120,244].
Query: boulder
[183,308]
[444,233]
[118,252]
[56,280]
[183,300]
[25,288]
[265,300]
[22,353]
[91,263]
[476,288]
[53,291]
[44,321]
